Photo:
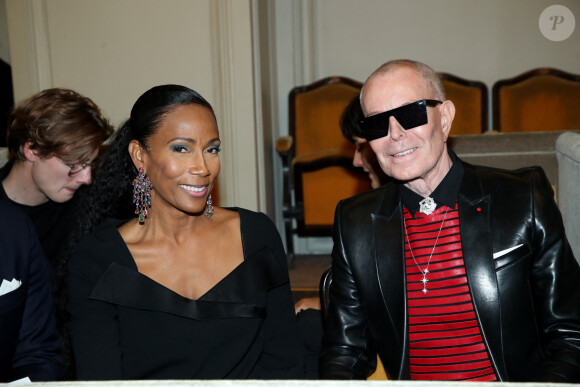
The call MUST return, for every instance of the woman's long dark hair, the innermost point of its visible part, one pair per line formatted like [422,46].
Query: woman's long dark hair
[110,195]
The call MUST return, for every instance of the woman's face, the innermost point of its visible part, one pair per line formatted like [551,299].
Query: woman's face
[183,160]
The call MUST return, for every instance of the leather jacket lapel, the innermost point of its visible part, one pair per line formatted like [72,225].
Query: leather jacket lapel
[388,239]
[476,238]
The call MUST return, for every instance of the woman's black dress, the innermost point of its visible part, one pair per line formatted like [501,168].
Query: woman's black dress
[124,325]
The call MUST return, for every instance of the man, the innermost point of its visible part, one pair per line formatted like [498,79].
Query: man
[54,137]
[451,271]
[30,346]
[363,157]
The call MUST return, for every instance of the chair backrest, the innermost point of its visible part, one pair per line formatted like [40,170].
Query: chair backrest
[471,106]
[322,168]
[315,111]
[539,100]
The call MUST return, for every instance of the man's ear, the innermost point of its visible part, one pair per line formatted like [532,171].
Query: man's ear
[136,151]
[29,153]
[447,115]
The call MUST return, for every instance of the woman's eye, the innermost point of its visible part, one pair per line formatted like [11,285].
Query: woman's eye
[179,148]
[214,149]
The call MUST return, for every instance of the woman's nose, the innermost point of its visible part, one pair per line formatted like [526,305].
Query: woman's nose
[199,167]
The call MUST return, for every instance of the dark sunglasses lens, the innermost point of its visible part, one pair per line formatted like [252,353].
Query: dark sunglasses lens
[412,115]
[409,116]
[376,126]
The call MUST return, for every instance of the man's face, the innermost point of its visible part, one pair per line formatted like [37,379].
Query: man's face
[407,154]
[51,178]
[365,158]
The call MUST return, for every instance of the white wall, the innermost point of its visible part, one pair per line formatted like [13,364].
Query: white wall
[125,47]
[114,50]
[483,40]
[4,46]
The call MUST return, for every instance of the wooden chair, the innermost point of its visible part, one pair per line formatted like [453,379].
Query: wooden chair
[317,159]
[539,100]
[470,100]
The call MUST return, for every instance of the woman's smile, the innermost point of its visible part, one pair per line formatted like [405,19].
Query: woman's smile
[195,190]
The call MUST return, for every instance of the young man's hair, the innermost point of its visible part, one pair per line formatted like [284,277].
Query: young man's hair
[350,120]
[58,122]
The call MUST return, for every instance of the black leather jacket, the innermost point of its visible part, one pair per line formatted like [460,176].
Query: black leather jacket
[527,301]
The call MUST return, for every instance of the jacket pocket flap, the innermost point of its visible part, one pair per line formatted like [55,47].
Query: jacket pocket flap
[509,256]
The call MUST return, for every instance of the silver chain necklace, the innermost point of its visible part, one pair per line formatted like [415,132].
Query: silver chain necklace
[426,271]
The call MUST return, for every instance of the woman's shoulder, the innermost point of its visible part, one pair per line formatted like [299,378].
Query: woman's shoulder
[258,225]
[251,218]
[245,219]
[259,231]
[101,244]
[103,232]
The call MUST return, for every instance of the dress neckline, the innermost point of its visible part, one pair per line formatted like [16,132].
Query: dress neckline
[209,291]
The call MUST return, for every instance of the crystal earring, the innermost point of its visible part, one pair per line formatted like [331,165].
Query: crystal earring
[142,194]
[209,208]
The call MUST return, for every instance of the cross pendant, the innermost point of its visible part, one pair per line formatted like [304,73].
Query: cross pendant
[425,280]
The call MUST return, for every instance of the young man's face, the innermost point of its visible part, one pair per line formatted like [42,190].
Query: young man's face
[51,177]
[365,158]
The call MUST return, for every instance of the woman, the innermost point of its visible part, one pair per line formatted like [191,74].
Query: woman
[184,290]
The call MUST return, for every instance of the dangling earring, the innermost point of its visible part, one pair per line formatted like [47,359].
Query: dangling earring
[209,208]
[142,194]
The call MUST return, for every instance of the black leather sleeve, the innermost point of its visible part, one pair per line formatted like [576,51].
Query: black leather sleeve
[555,281]
[347,346]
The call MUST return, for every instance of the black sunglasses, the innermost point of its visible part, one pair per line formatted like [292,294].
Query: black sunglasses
[409,116]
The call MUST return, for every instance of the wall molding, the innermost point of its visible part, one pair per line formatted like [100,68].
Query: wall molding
[235,104]
[28,22]
[40,35]
[304,42]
